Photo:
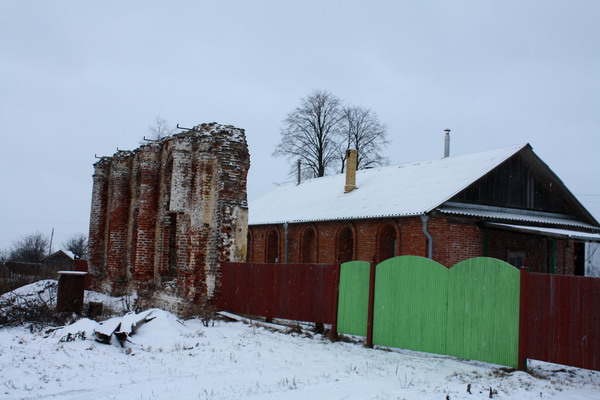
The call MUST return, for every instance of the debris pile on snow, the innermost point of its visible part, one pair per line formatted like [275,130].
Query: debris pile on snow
[119,328]
[123,327]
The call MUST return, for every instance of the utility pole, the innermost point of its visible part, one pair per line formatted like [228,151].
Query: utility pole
[51,237]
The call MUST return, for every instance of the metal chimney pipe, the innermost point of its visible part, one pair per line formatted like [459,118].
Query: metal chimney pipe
[447,143]
[299,178]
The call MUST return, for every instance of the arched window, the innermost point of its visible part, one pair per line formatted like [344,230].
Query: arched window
[273,247]
[345,245]
[170,225]
[308,246]
[386,243]
[167,179]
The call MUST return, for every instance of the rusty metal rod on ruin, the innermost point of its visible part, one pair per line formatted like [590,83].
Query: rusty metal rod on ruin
[150,140]
[181,127]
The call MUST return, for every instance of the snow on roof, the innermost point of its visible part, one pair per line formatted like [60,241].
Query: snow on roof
[402,190]
[59,252]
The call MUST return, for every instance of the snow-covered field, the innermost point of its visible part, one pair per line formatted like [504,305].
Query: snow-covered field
[172,359]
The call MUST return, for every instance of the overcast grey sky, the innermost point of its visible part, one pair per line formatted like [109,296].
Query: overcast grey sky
[79,78]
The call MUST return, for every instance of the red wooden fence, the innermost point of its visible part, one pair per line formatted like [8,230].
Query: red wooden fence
[301,292]
[559,321]
[560,317]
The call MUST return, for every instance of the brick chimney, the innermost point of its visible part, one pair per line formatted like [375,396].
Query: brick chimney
[350,171]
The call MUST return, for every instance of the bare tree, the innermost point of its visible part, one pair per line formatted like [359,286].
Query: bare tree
[311,133]
[78,245]
[159,129]
[30,248]
[363,132]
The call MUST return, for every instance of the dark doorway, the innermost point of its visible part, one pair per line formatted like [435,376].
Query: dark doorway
[579,258]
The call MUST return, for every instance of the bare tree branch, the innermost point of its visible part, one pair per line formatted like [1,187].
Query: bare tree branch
[30,248]
[78,245]
[311,133]
[321,129]
[159,129]
[363,131]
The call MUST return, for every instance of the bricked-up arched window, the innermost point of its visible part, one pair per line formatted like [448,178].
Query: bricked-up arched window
[386,243]
[273,247]
[308,246]
[345,245]
[249,249]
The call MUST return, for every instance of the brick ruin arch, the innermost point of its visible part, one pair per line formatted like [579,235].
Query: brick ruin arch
[165,215]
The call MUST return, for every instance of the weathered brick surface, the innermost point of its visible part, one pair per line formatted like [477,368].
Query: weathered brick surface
[164,216]
[454,240]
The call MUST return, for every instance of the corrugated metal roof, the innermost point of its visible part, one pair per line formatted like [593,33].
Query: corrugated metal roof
[593,237]
[401,190]
[496,213]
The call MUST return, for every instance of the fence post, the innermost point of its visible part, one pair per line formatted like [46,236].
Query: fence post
[336,279]
[371,305]
[523,331]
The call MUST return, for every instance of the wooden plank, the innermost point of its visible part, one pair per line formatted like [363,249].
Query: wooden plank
[303,292]
[353,298]
[523,332]
[370,307]
[411,304]
[250,321]
[104,332]
[563,312]
[483,311]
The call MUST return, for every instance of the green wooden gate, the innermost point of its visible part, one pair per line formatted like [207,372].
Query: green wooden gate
[353,304]
[483,311]
[410,304]
[469,311]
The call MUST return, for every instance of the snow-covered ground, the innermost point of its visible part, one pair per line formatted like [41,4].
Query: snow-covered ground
[172,359]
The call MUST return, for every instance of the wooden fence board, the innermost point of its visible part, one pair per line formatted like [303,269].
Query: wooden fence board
[470,311]
[483,311]
[353,298]
[410,304]
[562,317]
[302,292]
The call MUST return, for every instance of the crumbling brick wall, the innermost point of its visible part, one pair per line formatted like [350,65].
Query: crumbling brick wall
[165,215]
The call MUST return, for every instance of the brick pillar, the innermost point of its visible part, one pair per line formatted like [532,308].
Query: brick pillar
[148,189]
[132,217]
[181,180]
[98,215]
[231,215]
[118,219]
[204,226]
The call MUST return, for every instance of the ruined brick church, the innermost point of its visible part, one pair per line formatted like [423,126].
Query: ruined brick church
[165,215]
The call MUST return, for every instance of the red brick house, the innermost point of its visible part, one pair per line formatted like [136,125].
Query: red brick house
[504,203]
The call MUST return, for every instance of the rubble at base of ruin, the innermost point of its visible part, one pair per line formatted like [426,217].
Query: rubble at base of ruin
[165,215]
